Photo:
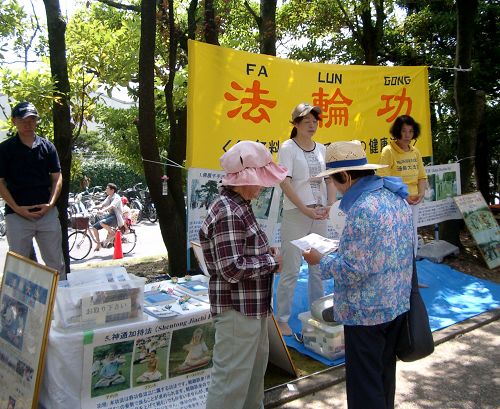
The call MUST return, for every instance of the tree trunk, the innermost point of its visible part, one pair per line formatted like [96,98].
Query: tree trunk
[176,239]
[371,34]
[469,102]
[211,29]
[146,125]
[267,29]
[483,151]
[61,110]
[470,107]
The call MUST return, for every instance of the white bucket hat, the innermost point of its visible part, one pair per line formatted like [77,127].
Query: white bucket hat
[346,155]
[250,163]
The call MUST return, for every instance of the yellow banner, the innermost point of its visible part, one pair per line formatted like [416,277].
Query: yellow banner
[235,95]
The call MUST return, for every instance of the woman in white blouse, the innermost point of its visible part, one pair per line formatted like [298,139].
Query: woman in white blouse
[306,206]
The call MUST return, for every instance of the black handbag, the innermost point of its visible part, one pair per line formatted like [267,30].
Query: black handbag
[415,339]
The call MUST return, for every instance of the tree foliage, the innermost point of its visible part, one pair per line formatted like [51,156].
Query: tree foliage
[103,54]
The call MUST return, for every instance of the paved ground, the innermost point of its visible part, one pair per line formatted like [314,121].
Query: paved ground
[462,373]
[149,244]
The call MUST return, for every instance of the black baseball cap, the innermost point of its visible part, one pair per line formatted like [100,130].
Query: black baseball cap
[24,109]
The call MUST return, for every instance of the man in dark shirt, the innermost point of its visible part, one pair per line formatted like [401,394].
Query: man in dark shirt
[241,267]
[30,183]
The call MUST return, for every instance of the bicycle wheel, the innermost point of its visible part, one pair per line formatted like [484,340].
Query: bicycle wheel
[151,213]
[129,240]
[79,244]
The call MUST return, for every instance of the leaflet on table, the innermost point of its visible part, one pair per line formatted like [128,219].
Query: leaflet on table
[159,363]
[323,244]
[193,287]
[159,297]
[184,305]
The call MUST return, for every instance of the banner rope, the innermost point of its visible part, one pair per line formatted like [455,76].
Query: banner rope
[172,163]
[452,68]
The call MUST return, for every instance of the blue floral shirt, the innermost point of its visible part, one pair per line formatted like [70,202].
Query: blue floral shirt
[373,265]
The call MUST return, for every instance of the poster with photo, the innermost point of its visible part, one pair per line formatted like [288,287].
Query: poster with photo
[482,226]
[443,184]
[26,303]
[158,363]
[203,188]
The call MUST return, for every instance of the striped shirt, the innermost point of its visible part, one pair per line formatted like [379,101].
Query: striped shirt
[236,253]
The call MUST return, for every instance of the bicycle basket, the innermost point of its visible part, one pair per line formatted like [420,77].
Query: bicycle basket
[79,222]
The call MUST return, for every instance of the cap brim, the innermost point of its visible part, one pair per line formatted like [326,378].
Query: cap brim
[306,111]
[368,166]
[26,115]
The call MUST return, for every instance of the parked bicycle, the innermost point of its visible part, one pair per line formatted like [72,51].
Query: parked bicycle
[134,197]
[80,242]
[149,209]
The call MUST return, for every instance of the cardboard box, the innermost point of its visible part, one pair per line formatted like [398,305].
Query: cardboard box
[325,340]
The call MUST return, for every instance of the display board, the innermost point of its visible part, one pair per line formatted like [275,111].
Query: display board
[203,187]
[163,363]
[482,226]
[26,303]
[443,185]
[235,95]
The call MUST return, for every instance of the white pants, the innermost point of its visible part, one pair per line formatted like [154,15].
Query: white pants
[294,226]
[46,231]
[240,358]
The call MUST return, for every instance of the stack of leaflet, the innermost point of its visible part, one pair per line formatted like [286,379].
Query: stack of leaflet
[194,288]
[158,302]
[171,299]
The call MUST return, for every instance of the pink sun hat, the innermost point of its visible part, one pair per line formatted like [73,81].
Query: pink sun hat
[250,164]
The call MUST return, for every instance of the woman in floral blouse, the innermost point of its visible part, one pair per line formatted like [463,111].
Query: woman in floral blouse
[372,271]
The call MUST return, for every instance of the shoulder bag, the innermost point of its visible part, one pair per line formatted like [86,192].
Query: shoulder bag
[415,339]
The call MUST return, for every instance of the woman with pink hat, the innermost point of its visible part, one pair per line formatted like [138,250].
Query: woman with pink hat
[241,268]
[306,203]
[372,271]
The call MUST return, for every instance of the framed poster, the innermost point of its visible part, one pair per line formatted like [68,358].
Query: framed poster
[26,303]
[482,226]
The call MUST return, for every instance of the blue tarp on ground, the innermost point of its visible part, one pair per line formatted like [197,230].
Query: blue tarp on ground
[451,297]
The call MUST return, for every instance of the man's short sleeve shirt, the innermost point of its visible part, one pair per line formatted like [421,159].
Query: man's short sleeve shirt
[27,171]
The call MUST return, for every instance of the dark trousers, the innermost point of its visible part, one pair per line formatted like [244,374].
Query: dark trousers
[370,363]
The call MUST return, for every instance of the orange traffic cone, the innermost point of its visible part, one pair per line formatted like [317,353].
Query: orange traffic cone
[118,253]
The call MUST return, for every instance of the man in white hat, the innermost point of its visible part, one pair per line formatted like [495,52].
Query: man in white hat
[241,267]
[372,269]
[30,183]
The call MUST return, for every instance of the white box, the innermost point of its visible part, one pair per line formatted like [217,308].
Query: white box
[325,340]
[90,305]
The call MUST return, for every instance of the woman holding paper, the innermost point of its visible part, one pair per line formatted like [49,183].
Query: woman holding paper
[372,269]
[306,206]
